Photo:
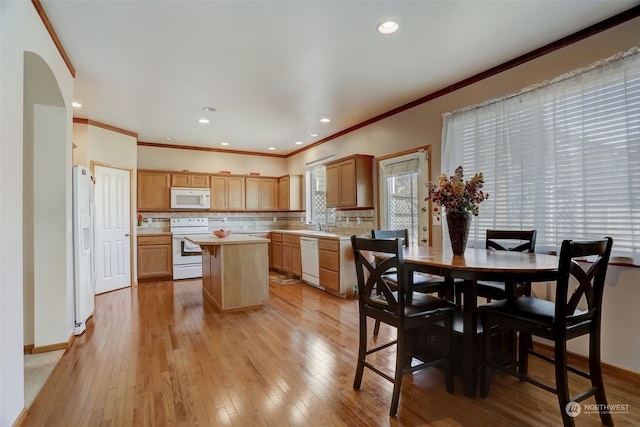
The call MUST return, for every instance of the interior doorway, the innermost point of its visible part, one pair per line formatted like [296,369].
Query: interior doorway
[113,227]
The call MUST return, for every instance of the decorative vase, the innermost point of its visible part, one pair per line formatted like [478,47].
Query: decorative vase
[459,224]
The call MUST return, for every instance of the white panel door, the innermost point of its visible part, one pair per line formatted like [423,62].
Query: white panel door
[113,228]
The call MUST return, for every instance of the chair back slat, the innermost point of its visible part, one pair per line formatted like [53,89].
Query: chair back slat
[590,281]
[372,288]
[508,240]
[392,234]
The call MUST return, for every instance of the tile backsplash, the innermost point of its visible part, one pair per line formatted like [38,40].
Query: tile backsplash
[347,222]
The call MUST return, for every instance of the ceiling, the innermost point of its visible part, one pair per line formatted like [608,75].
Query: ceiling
[273,69]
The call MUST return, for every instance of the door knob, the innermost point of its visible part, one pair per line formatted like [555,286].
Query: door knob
[127,235]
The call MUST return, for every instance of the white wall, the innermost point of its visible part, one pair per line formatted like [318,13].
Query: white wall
[21,30]
[212,162]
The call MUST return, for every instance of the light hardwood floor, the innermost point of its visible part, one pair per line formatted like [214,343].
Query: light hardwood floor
[155,355]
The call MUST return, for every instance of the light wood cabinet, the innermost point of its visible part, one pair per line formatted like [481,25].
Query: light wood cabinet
[261,193]
[154,257]
[290,193]
[227,192]
[194,180]
[337,268]
[329,262]
[291,255]
[275,260]
[153,190]
[350,182]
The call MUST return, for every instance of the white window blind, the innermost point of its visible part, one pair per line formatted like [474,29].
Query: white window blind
[562,158]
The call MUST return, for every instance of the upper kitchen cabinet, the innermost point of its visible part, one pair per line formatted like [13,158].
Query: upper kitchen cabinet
[227,192]
[260,193]
[290,193]
[187,179]
[153,190]
[350,182]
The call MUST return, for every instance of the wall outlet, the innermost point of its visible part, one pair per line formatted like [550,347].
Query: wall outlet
[358,220]
[347,219]
[301,220]
[149,220]
[224,219]
[275,219]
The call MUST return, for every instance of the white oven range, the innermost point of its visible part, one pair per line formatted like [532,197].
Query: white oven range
[187,257]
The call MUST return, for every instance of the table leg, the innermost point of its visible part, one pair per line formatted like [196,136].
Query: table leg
[469,338]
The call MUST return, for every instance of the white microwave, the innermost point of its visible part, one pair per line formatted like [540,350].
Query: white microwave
[190,198]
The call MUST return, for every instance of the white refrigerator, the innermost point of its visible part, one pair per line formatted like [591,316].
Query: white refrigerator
[84,271]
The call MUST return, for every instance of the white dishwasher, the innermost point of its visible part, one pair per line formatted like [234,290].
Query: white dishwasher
[309,257]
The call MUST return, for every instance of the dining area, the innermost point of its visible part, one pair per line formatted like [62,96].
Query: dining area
[471,311]
[444,323]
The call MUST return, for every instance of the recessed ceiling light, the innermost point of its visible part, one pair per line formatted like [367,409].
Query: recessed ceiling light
[209,109]
[168,138]
[224,143]
[325,120]
[271,148]
[75,104]
[298,142]
[387,27]
[314,135]
[205,121]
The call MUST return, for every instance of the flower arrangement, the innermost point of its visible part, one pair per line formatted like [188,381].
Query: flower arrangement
[456,195]
[139,219]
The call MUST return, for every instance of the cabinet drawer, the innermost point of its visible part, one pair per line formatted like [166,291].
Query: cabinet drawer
[330,279]
[276,237]
[294,240]
[329,245]
[154,240]
[329,260]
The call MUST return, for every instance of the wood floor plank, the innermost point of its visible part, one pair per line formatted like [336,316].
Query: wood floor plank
[157,354]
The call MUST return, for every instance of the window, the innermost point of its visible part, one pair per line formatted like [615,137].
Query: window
[562,158]
[401,181]
[317,210]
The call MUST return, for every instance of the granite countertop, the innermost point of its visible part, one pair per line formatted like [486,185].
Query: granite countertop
[234,239]
[307,233]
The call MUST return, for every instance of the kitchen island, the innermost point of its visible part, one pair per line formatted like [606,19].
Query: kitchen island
[235,270]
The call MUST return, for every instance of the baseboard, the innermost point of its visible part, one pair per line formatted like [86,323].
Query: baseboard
[28,349]
[50,347]
[21,418]
[583,362]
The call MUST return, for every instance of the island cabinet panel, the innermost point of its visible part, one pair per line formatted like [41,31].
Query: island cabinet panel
[184,179]
[227,192]
[154,257]
[153,190]
[350,182]
[261,193]
[231,285]
[276,251]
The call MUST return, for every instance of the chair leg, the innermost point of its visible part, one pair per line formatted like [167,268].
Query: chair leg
[376,328]
[595,371]
[362,352]
[525,342]
[400,365]
[562,382]
[448,367]
[485,369]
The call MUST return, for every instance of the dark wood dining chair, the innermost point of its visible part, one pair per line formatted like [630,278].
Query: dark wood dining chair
[506,240]
[397,308]
[421,282]
[559,322]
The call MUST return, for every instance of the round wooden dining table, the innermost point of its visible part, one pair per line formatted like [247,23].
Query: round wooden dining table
[474,265]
